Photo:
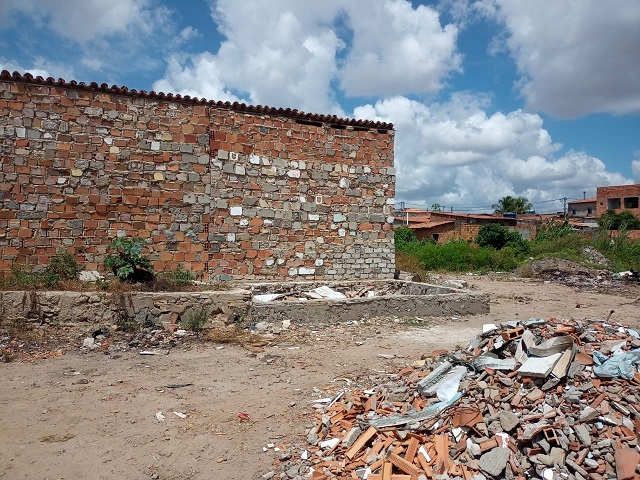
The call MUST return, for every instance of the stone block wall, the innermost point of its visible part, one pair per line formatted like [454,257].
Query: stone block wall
[227,191]
[300,200]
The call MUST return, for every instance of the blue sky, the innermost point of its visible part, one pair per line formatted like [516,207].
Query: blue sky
[489,97]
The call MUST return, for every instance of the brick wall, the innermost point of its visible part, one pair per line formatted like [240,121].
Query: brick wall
[228,191]
[626,196]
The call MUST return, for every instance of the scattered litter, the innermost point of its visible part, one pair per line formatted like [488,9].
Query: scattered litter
[149,352]
[160,416]
[268,297]
[180,414]
[178,385]
[325,292]
[90,276]
[243,416]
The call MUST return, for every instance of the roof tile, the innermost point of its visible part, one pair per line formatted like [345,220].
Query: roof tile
[333,120]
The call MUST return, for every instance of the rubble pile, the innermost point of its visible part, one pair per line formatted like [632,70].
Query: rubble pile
[533,399]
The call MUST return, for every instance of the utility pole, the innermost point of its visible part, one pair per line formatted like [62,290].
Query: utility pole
[564,207]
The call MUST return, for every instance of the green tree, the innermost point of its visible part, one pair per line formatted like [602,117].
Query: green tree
[496,236]
[493,235]
[403,235]
[511,204]
[436,207]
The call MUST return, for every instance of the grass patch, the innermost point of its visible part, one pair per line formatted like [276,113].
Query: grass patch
[554,241]
[456,256]
[569,247]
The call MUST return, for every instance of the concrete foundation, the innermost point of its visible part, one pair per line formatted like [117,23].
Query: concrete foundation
[113,308]
[393,298]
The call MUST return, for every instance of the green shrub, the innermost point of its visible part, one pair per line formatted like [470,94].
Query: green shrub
[496,236]
[568,247]
[179,277]
[64,265]
[610,220]
[23,277]
[493,235]
[623,253]
[127,262]
[505,259]
[196,319]
[552,230]
[458,256]
[403,236]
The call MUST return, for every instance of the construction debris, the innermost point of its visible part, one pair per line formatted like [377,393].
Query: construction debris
[552,399]
[323,292]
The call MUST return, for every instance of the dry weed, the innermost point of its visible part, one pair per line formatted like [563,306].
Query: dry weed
[229,335]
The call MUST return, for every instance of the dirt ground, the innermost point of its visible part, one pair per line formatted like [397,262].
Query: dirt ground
[93,416]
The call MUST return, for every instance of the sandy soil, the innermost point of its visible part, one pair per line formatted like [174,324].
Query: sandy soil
[93,416]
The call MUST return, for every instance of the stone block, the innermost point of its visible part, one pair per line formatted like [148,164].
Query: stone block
[494,461]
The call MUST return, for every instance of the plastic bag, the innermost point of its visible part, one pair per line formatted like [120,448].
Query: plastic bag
[448,389]
[622,365]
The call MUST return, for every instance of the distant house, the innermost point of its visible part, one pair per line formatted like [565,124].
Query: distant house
[446,226]
[583,210]
[411,215]
[439,231]
[618,198]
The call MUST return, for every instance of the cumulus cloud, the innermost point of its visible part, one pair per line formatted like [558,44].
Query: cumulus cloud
[201,78]
[85,20]
[39,67]
[415,54]
[290,53]
[635,167]
[455,154]
[283,56]
[574,58]
[187,33]
[90,35]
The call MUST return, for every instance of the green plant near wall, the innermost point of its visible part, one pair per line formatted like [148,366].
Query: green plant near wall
[196,319]
[126,260]
[24,278]
[64,265]
[180,277]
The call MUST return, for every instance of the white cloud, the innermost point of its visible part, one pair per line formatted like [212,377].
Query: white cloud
[575,58]
[281,55]
[40,67]
[90,35]
[199,79]
[85,20]
[187,33]
[291,53]
[398,50]
[457,155]
[635,169]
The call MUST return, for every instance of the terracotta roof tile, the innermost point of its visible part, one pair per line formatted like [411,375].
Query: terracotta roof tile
[586,200]
[332,120]
[428,224]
